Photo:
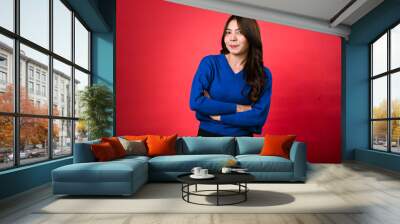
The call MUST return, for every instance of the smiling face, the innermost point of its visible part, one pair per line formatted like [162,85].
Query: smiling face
[235,41]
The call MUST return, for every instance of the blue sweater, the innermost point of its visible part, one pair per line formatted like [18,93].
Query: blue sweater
[227,89]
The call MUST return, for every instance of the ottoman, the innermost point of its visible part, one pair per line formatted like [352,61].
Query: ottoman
[119,177]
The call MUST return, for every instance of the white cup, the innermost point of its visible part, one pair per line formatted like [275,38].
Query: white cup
[226,170]
[203,172]
[196,170]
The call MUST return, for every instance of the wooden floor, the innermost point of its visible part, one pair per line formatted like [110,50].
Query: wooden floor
[354,182]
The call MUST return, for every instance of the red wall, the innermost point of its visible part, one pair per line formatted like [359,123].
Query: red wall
[160,44]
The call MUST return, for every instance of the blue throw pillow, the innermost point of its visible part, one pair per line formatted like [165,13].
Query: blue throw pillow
[249,145]
[207,145]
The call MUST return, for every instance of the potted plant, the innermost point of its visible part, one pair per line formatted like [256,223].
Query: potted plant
[96,102]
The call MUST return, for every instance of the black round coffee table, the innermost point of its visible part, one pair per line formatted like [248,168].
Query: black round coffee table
[238,179]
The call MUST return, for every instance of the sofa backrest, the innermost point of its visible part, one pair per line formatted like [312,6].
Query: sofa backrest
[191,146]
[249,145]
[83,153]
[206,145]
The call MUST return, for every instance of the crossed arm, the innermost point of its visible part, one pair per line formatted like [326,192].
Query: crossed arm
[239,108]
[245,116]
[253,116]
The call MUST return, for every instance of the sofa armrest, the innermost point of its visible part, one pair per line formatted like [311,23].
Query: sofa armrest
[83,152]
[298,156]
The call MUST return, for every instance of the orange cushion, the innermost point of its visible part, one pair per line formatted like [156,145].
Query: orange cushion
[116,145]
[161,145]
[135,137]
[103,151]
[277,145]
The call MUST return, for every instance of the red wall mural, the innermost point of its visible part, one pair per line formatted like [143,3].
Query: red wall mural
[160,45]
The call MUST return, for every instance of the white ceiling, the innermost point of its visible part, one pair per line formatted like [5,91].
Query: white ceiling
[321,9]
[327,16]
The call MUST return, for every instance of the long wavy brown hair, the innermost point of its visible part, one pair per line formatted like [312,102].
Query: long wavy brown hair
[254,65]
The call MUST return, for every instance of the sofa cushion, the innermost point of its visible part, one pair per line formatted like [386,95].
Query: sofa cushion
[159,145]
[249,145]
[185,163]
[116,145]
[257,163]
[206,145]
[103,151]
[133,157]
[83,152]
[134,147]
[277,145]
[111,171]
[135,137]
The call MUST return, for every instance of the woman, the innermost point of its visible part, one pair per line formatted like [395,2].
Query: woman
[231,92]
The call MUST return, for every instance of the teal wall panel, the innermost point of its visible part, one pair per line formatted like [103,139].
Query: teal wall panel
[357,101]
[24,178]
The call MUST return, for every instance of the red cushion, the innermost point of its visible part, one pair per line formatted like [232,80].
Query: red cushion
[103,151]
[116,145]
[277,145]
[161,145]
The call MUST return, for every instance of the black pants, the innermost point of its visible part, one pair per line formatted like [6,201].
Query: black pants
[205,133]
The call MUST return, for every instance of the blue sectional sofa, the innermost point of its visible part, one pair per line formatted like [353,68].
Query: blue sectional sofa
[125,176]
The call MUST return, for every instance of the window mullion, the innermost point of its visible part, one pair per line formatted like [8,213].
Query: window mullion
[50,79]
[73,82]
[371,97]
[16,84]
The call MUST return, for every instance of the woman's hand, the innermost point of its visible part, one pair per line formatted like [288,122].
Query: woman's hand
[242,108]
[206,94]
[216,117]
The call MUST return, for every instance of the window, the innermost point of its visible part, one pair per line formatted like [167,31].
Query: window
[6,142]
[45,131]
[3,72]
[81,81]
[62,74]
[3,61]
[35,21]
[62,29]
[38,89]
[3,78]
[385,94]
[38,74]
[62,137]
[30,87]
[6,74]
[44,91]
[30,72]
[81,45]
[7,14]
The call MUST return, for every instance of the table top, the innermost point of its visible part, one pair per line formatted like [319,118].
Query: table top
[220,178]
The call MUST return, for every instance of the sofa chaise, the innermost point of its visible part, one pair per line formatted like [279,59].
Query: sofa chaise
[126,175]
